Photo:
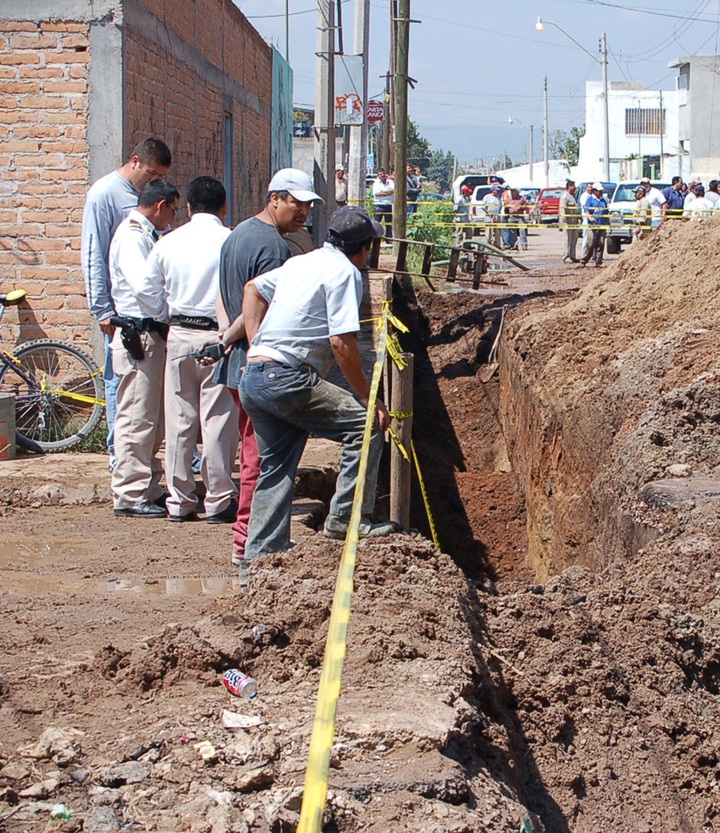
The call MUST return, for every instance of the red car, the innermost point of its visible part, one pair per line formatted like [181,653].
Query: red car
[547,207]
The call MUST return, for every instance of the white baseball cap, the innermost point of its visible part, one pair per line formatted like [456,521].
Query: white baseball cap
[295,182]
[597,186]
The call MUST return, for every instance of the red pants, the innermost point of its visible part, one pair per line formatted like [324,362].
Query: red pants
[249,473]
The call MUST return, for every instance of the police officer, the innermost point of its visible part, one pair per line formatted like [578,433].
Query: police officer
[182,271]
[138,350]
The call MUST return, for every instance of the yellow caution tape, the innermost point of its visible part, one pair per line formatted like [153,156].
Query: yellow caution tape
[431,522]
[323,733]
[400,446]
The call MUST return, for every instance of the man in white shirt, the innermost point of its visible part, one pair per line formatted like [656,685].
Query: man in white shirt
[182,273]
[107,203]
[700,207]
[299,319]
[656,200]
[138,349]
[383,198]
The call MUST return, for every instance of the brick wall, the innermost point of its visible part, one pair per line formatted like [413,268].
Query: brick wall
[185,92]
[186,65]
[43,155]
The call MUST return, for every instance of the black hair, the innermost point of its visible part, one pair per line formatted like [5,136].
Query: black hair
[157,190]
[713,184]
[206,195]
[282,194]
[569,182]
[675,180]
[153,151]
[350,249]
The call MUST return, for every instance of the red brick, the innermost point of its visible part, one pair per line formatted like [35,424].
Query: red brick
[65,26]
[74,40]
[34,41]
[26,71]
[67,57]
[64,86]
[19,58]
[17,26]
[44,102]
[45,216]
[20,146]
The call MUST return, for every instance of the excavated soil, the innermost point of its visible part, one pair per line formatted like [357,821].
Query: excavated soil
[557,671]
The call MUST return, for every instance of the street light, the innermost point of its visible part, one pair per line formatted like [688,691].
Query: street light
[532,153]
[540,25]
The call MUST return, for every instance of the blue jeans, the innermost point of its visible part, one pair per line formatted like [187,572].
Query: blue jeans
[112,383]
[286,406]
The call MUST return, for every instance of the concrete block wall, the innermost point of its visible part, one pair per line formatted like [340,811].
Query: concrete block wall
[43,155]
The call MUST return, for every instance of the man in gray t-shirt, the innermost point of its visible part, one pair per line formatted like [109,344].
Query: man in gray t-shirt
[254,247]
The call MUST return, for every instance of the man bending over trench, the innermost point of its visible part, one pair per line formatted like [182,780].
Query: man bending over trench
[299,318]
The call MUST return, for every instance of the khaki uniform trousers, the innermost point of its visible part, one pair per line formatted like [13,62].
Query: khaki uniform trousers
[139,424]
[193,401]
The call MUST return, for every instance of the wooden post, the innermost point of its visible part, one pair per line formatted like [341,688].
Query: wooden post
[400,468]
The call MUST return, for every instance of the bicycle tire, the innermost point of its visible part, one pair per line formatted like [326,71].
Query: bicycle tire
[62,402]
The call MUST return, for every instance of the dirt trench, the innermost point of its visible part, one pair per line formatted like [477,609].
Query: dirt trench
[556,669]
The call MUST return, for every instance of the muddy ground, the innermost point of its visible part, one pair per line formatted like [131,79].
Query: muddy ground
[482,691]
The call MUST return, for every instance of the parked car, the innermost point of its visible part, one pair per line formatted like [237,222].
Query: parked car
[547,205]
[476,212]
[621,207]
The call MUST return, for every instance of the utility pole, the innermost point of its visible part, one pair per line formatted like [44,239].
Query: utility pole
[545,133]
[357,162]
[532,151]
[401,119]
[324,166]
[606,105]
[662,133]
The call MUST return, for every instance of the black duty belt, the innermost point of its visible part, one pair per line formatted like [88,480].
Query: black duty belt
[143,325]
[194,322]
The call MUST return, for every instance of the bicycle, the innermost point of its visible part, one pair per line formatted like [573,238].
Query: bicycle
[58,389]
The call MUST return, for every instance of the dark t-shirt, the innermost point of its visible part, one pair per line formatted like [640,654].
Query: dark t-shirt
[253,248]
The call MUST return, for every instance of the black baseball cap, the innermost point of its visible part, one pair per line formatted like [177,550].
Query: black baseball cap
[353,224]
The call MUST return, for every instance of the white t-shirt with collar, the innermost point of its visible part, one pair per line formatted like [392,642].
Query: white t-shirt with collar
[311,297]
[182,269]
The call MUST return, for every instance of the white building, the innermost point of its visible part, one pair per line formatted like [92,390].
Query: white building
[698,91]
[644,128]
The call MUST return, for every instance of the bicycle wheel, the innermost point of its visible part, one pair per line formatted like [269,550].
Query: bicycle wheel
[58,393]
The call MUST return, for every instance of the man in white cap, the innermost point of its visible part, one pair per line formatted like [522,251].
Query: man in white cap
[299,319]
[341,186]
[255,246]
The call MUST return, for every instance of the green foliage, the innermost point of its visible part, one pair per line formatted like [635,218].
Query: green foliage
[564,146]
[96,443]
[502,163]
[431,223]
[418,151]
[441,167]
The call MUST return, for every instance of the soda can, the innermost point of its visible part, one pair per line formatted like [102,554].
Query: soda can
[240,684]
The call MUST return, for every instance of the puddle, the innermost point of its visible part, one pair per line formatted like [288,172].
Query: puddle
[19,561]
[13,553]
[34,585]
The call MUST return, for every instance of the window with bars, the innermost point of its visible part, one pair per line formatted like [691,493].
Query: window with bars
[645,121]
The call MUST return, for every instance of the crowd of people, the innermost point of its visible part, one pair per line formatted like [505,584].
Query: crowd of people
[222,337]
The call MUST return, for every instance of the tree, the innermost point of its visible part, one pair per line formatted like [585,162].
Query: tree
[418,151]
[502,163]
[562,146]
[441,167]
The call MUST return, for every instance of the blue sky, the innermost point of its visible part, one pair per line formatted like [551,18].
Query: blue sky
[478,63]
